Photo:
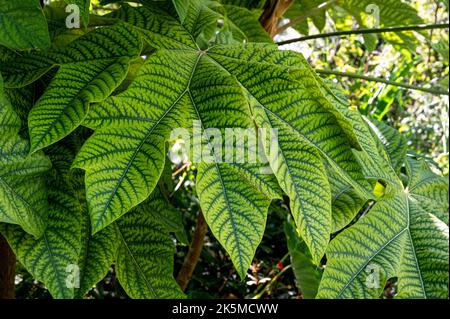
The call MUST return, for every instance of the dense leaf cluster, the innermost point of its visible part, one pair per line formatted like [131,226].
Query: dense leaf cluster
[81,185]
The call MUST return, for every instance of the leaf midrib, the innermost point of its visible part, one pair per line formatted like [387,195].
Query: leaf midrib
[356,185]
[141,144]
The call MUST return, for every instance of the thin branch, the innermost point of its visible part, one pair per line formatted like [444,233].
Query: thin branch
[381,80]
[367,31]
[193,255]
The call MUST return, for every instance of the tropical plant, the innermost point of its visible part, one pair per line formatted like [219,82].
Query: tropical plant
[87,117]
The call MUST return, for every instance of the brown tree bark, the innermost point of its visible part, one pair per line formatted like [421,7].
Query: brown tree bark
[193,255]
[273,11]
[7,270]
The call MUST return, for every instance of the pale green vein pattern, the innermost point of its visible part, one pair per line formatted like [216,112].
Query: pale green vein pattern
[428,189]
[158,28]
[244,25]
[182,7]
[92,68]
[160,208]
[97,254]
[125,156]
[400,237]
[373,157]
[23,199]
[395,144]
[53,257]
[145,258]
[98,251]
[346,203]
[23,25]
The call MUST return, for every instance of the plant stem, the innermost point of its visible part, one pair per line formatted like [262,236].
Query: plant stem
[311,12]
[193,255]
[270,283]
[381,80]
[7,270]
[418,27]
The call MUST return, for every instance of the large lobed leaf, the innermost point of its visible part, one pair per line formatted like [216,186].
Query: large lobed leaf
[403,236]
[221,88]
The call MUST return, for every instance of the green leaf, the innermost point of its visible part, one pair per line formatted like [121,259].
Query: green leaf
[308,9]
[98,251]
[372,156]
[134,181]
[53,258]
[23,25]
[245,26]
[164,212]
[182,7]
[397,238]
[158,28]
[129,140]
[95,65]
[346,203]
[22,70]
[307,275]
[221,88]
[145,258]
[394,143]
[202,22]
[23,199]
[235,212]
[97,255]
[428,189]
[308,133]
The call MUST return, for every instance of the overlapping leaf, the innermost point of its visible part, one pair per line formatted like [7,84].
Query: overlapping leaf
[401,236]
[244,25]
[346,203]
[429,190]
[396,239]
[53,258]
[308,133]
[137,156]
[367,13]
[23,199]
[394,143]
[83,6]
[145,258]
[307,274]
[125,156]
[23,25]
